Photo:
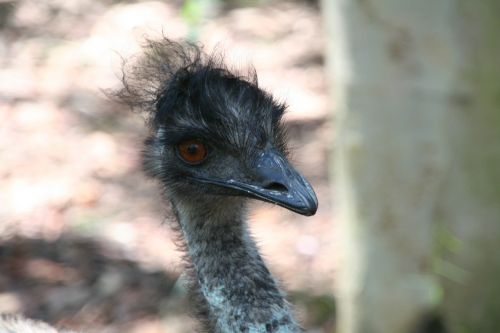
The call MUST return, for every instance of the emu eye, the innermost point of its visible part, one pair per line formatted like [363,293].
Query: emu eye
[192,151]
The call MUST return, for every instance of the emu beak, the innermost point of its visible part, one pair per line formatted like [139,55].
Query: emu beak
[274,180]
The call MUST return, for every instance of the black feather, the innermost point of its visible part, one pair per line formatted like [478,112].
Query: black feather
[192,93]
[189,94]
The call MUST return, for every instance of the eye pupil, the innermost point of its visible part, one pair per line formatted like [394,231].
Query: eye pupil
[192,151]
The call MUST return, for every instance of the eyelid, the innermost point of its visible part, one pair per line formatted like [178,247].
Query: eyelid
[173,135]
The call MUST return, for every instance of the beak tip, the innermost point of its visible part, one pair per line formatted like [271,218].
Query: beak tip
[309,203]
[309,213]
[311,209]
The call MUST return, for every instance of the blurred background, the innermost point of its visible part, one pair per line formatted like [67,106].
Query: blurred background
[407,232]
[83,240]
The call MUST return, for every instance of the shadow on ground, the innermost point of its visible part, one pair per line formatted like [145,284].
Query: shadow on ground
[76,282]
[81,283]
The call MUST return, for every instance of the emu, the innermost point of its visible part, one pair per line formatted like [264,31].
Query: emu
[217,139]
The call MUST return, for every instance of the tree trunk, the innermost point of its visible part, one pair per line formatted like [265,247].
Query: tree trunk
[416,85]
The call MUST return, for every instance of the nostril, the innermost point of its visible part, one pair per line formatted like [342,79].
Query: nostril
[274,186]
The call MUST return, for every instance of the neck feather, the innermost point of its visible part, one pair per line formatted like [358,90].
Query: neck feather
[238,293]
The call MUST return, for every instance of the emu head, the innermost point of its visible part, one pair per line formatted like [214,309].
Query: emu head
[213,131]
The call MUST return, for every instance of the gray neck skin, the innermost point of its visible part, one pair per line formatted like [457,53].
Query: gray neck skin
[237,290]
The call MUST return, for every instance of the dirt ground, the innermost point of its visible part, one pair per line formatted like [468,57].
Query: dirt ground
[84,241]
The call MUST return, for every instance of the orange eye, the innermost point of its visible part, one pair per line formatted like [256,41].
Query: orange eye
[192,151]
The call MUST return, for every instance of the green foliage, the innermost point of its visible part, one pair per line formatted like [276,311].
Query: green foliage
[192,11]
[196,12]
[320,308]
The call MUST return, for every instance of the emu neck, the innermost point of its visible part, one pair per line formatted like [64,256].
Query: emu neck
[238,294]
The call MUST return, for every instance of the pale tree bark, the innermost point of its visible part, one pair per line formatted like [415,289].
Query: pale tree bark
[416,87]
